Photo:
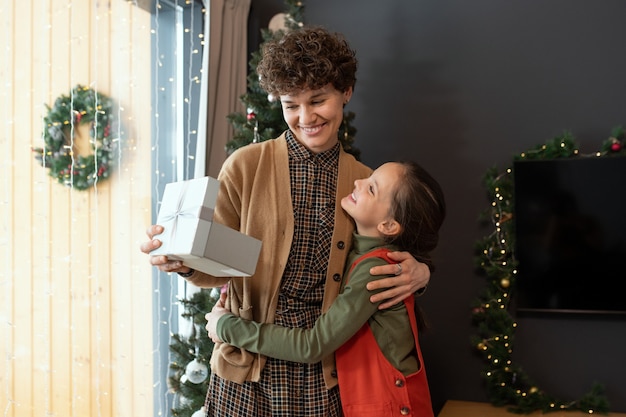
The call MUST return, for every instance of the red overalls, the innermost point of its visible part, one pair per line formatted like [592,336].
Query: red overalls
[369,384]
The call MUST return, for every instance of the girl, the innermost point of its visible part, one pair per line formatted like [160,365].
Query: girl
[379,362]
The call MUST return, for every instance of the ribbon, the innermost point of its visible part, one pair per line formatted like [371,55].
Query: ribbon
[183,211]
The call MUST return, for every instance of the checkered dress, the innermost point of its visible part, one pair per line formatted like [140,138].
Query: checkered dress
[289,389]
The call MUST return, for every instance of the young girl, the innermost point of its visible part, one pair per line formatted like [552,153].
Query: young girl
[379,362]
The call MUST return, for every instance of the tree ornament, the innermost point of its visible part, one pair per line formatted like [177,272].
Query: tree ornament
[74,160]
[200,413]
[616,146]
[505,282]
[188,396]
[256,137]
[251,116]
[196,371]
[278,22]
[478,310]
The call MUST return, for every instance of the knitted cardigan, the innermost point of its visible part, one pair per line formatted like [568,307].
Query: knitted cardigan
[255,199]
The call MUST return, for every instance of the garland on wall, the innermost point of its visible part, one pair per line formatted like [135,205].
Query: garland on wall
[506,382]
[79,170]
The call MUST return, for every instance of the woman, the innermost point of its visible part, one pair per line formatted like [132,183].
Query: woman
[286,193]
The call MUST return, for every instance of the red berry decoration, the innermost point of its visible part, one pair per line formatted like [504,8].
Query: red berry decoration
[251,116]
[616,146]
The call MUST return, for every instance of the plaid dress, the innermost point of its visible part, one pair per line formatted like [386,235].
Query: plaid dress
[290,389]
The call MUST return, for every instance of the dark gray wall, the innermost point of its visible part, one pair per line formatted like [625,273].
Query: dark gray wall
[461,86]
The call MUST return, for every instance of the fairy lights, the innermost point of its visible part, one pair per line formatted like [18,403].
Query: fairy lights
[5,196]
[74,285]
[177,73]
[506,383]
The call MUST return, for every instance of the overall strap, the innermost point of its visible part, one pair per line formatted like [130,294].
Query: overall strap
[376,253]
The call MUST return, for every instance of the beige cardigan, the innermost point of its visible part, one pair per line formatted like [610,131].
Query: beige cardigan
[255,199]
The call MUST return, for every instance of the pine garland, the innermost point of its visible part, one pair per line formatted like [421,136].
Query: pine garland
[506,382]
[82,106]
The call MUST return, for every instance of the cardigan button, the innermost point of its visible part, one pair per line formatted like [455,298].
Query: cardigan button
[336,277]
[333,373]
[405,411]
[399,383]
[341,245]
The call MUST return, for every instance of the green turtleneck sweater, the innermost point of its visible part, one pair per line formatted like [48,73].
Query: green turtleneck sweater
[348,313]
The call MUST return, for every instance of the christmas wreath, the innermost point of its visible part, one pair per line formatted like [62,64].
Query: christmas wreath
[506,382]
[60,153]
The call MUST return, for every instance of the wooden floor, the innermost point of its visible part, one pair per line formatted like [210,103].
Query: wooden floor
[454,408]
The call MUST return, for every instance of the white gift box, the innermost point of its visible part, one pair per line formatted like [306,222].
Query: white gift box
[190,235]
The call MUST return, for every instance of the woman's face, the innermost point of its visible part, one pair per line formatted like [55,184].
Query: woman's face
[314,116]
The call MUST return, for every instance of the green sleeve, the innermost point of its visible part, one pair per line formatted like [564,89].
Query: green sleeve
[344,318]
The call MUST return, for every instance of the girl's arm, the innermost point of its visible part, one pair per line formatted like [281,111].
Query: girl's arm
[345,317]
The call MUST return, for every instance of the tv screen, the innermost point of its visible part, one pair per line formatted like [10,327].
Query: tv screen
[570,243]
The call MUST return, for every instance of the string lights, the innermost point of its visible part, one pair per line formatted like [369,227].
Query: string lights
[174,142]
[5,196]
[506,382]
[66,283]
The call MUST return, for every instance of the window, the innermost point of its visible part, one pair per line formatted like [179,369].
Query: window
[177,29]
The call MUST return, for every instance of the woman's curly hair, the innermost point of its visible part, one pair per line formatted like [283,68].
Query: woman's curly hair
[306,58]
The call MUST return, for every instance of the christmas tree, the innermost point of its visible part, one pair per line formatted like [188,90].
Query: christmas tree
[264,118]
[189,368]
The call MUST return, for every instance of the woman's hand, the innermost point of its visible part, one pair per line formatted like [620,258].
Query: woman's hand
[214,316]
[160,261]
[409,276]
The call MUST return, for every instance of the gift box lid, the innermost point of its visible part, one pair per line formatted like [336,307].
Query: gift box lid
[191,236]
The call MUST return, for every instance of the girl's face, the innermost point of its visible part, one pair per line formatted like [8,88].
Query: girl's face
[314,116]
[370,202]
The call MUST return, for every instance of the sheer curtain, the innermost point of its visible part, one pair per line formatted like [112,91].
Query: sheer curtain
[225,68]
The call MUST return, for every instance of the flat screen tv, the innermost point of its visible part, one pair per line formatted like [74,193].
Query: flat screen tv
[570,227]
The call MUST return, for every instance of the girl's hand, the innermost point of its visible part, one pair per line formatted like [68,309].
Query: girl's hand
[214,316]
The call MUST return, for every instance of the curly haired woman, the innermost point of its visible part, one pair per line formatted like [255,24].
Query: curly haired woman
[287,193]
